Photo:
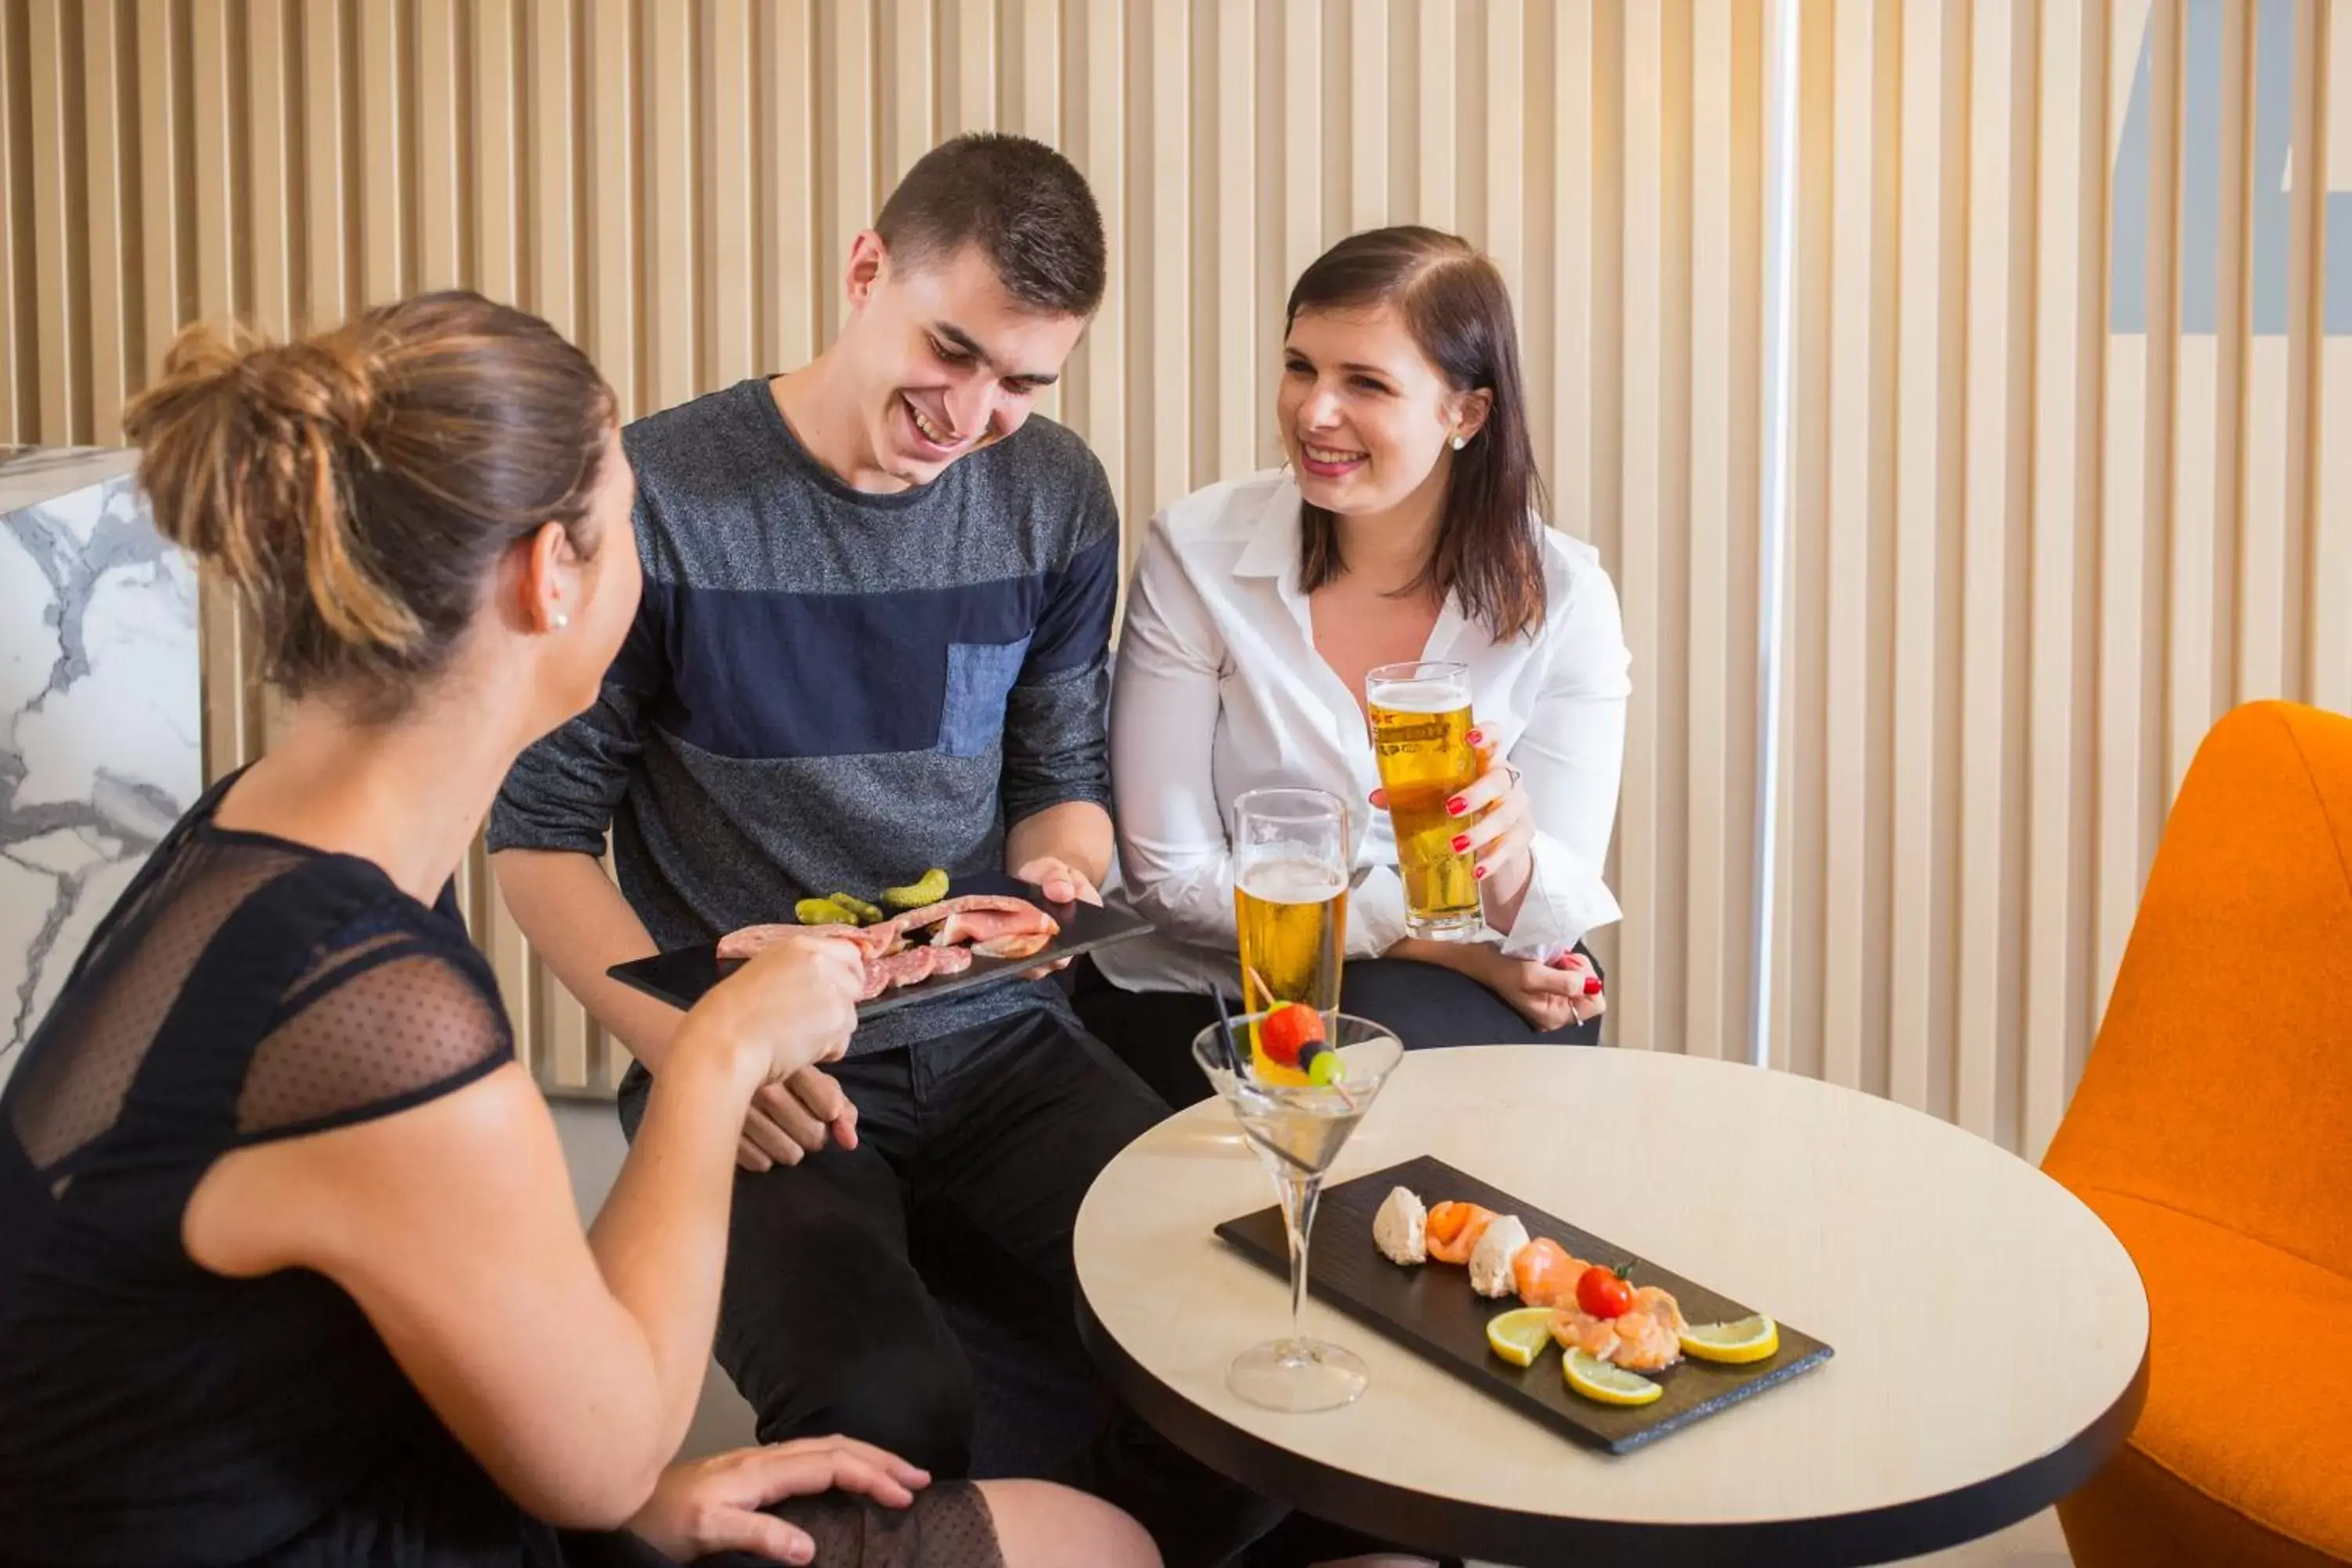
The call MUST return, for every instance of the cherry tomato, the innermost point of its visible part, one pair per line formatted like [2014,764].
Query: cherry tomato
[1287,1030]
[1603,1294]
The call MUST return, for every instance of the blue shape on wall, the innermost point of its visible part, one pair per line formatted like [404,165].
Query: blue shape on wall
[2267,198]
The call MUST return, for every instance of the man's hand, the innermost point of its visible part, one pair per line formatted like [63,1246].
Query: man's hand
[790,1121]
[1061,883]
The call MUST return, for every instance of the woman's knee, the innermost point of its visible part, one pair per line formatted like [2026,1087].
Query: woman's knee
[1041,1525]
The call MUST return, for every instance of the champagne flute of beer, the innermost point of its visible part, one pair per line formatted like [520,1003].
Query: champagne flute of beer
[1421,738]
[1292,851]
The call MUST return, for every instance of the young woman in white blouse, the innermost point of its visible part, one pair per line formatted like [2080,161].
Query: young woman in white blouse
[1407,525]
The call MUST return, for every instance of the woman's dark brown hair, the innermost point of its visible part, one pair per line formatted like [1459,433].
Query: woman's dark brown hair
[356,488]
[1455,304]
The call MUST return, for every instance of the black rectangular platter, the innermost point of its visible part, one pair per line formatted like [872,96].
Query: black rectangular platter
[1431,1311]
[682,976]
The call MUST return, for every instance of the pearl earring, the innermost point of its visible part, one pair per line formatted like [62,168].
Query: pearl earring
[558,620]
[1460,442]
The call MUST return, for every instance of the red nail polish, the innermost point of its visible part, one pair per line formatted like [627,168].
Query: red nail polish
[1461,843]
[1593,986]
[1476,737]
[1456,806]
[1478,873]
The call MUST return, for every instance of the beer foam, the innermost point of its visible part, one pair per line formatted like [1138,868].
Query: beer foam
[1292,882]
[1424,697]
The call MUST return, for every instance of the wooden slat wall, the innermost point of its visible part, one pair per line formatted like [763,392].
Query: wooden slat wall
[2076,412]
[2038,539]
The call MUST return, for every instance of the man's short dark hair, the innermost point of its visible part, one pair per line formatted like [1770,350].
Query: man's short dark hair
[1023,204]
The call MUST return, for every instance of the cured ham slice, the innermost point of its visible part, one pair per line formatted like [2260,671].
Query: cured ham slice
[752,940]
[981,927]
[1018,944]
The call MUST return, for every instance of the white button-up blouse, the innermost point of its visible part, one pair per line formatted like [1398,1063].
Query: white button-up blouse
[1220,691]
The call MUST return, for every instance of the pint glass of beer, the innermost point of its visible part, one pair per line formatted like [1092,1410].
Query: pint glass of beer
[1292,850]
[1421,736]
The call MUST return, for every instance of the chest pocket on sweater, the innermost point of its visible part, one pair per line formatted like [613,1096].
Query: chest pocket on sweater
[979,678]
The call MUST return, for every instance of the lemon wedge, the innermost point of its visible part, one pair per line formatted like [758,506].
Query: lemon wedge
[1598,1380]
[1750,1339]
[1520,1335]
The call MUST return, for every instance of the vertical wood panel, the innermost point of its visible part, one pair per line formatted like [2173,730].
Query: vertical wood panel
[1159,425]
[1853,942]
[1038,109]
[1035,107]
[109,140]
[1719,789]
[162,139]
[2270,611]
[213,106]
[551,259]
[1804,795]
[845,169]
[1574,370]
[1935,67]
[19,345]
[1239,350]
[968,58]
[1367,104]
[385,261]
[444,147]
[329,142]
[273,135]
[59,270]
[2070,302]
[1506,114]
[670,207]
[909,89]
[1645,933]
[729,151]
[2207,408]
[1301,163]
[231,709]
[1999,412]
[2136,516]
[1435,153]
[2329,677]
[1097,127]
[609,331]
[789,241]
[497,218]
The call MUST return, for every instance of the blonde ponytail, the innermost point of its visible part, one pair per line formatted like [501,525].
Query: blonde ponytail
[355,485]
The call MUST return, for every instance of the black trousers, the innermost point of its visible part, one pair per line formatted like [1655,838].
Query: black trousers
[1152,1031]
[974,1152]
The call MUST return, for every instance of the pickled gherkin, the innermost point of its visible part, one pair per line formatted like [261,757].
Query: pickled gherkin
[929,889]
[821,912]
[866,913]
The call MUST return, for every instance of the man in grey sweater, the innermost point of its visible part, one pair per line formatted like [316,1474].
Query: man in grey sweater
[873,639]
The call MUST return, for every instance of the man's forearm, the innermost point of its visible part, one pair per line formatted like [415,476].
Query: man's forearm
[577,920]
[1076,832]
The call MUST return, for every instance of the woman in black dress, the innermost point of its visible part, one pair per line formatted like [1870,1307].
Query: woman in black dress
[292,1273]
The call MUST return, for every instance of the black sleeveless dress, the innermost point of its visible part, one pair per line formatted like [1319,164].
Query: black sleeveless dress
[246,988]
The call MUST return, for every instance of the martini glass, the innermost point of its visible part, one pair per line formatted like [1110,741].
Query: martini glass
[1297,1130]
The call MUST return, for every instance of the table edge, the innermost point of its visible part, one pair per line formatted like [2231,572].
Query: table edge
[1451,1526]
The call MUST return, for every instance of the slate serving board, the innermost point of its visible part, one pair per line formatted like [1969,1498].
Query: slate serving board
[1431,1310]
[680,977]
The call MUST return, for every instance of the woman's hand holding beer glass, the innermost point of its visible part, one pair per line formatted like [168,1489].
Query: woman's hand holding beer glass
[1494,825]
[1496,830]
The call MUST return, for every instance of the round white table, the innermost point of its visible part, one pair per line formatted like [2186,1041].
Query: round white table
[1990,1334]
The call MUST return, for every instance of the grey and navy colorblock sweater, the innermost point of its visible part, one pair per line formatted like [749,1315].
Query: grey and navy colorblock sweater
[826,690]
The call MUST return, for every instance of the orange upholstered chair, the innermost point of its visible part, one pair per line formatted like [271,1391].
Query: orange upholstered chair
[2214,1133]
